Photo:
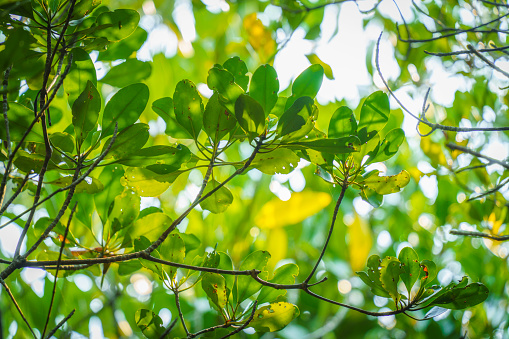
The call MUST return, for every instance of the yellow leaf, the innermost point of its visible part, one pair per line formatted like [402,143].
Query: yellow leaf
[277,245]
[360,241]
[259,37]
[302,205]
[433,151]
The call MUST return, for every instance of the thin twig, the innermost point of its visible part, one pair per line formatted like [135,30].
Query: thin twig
[433,126]
[482,50]
[15,195]
[62,322]
[493,190]
[5,108]
[58,267]
[480,235]
[168,330]
[477,154]
[17,306]
[489,63]
[331,228]
[246,324]
[177,302]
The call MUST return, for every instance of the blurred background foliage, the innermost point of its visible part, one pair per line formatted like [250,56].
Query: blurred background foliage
[288,214]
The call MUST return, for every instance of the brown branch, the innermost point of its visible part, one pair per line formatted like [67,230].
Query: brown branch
[62,322]
[480,235]
[433,126]
[246,324]
[5,108]
[58,267]
[477,154]
[168,330]
[177,302]
[331,228]
[15,195]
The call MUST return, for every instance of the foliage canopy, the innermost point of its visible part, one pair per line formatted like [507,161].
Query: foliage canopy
[153,193]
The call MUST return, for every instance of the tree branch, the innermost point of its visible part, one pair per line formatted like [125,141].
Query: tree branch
[480,235]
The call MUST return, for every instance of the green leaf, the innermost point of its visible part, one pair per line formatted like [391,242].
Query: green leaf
[369,148]
[160,159]
[274,317]
[125,48]
[151,226]
[215,286]
[390,144]
[314,59]
[264,87]
[280,160]
[342,123]
[226,263]
[308,84]
[127,73]
[374,115]
[191,241]
[110,174]
[334,146]
[20,117]
[388,184]
[238,68]
[82,70]
[460,297]
[124,108]
[90,185]
[372,277]
[217,121]
[249,114]
[411,267]
[172,249]
[298,120]
[371,197]
[85,112]
[389,276]
[83,8]
[128,141]
[140,244]
[284,275]
[188,107]
[219,201]
[149,323]
[164,108]
[145,182]
[223,83]
[120,24]
[27,162]
[247,286]
[428,273]
[63,141]
[125,209]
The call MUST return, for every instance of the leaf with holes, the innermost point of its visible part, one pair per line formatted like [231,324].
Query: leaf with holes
[278,161]
[372,276]
[274,317]
[284,275]
[172,249]
[389,184]
[389,276]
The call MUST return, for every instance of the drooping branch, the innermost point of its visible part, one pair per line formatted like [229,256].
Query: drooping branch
[480,235]
[477,154]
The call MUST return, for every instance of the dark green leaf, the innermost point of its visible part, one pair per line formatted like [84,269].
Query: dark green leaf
[125,209]
[20,118]
[85,112]
[119,24]
[411,267]
[224,84]
[64,141]
[250,116]
[111,175]
[374,115]
[90,185]
[128,141]
[217,120]
[82,70]
[298,120]
[389,276]
[342,123]
[172,249]
[458,298]
[334,146]
[188,107]
[125,48]
[124,108]
[391,144]
[160,159]
[238,68]
[306,84]
[264,87]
